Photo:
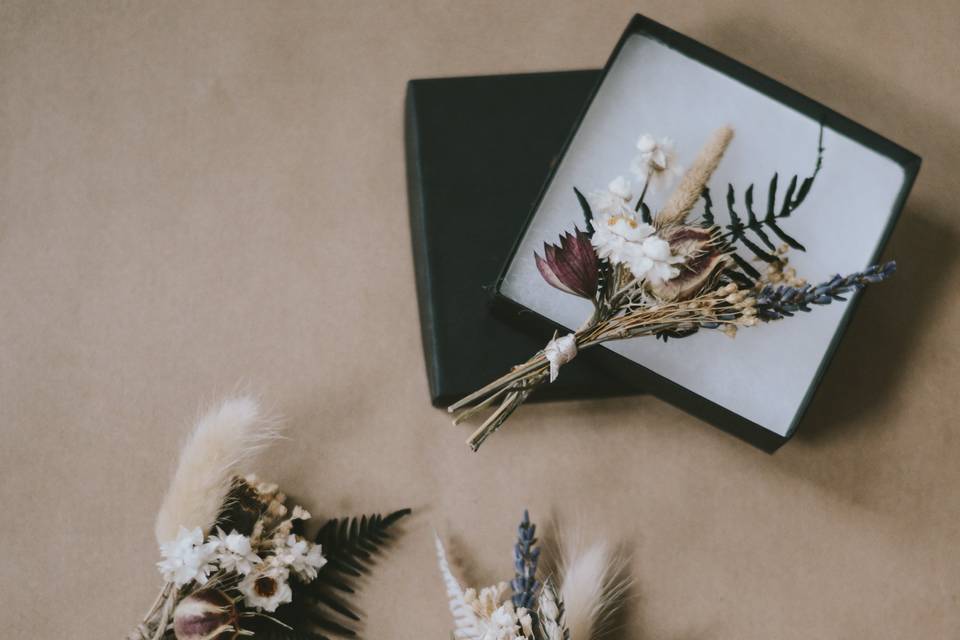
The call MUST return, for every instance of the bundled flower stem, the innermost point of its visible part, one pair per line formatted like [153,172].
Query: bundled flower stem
[663,276]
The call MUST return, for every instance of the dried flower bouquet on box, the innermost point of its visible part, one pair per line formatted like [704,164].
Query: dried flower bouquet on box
[236,559]
[665,275]
[576,604]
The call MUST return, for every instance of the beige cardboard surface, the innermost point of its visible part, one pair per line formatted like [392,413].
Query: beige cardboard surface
[198,197]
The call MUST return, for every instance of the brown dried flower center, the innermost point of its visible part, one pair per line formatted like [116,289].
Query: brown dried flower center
[265,586]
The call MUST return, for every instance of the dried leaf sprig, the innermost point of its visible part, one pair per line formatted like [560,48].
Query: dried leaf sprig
[591,587]
[663,275]
[236,558]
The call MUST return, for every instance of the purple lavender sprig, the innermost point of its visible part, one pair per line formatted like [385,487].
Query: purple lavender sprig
[525,558]
[776,303]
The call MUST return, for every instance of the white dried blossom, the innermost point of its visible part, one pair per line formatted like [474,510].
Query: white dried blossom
[267,587]
[496,618]
[656,162]
[186,558]
[299,555]
[624,240]
[233,552]
[614,200]
[299,513]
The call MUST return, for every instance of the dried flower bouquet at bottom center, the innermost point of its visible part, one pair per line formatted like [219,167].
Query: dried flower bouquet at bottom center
[665,276]
[577,603]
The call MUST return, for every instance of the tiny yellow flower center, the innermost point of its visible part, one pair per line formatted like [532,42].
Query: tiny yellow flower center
[613,220]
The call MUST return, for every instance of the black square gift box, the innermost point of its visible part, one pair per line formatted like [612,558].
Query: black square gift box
[478,152]
[657,81]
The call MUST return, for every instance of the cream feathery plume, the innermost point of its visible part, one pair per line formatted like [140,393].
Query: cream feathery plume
[464,617]
[688,192]
[227,437]
[593,588]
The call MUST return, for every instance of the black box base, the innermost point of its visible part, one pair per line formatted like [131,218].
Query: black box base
[478,151]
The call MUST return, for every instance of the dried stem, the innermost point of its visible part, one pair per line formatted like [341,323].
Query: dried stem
[154,624]
[710,310]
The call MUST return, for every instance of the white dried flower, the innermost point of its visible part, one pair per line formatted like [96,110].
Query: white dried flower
[620,187]
[656,162]
[299,555]
[614,200]
[623,239]
[267,587]
[526,622]
[233,552]
[186,558]
[299,513]
[496,619]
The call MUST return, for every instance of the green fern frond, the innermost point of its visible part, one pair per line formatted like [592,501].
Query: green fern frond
[758,234]
[587,211]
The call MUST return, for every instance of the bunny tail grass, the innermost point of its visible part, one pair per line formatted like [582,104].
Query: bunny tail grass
[464,618]
[688,192]
[223,440]
[593,588]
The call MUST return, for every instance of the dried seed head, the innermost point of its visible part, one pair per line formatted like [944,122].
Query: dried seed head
[730,330]
[702,260]
[208,614]
[276,509]
[688,192]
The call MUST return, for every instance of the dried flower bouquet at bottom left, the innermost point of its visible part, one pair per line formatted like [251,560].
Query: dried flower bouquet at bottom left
[236,559]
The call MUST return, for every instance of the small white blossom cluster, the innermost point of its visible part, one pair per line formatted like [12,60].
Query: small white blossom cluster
[656,162]
[496,617]
[264,565]
[186,559]
[620,236]
[623,238]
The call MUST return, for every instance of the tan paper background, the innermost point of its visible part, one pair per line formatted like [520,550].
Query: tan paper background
[201,196]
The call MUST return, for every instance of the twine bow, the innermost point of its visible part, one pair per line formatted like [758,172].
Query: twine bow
[559,352]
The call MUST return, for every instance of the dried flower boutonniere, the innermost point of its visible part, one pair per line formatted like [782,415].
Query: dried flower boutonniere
[666,276]
[575,604]
[236,558]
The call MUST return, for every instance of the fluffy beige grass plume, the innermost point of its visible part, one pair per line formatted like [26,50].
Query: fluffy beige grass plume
[593,588]
[688,192]
[224,440]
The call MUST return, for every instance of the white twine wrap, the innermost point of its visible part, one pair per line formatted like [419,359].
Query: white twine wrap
[559,352]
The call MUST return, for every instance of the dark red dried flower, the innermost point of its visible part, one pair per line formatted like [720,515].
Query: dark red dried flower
[208,614]
[572,266]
